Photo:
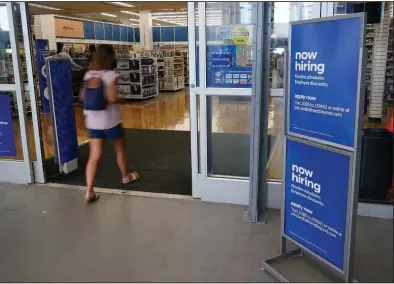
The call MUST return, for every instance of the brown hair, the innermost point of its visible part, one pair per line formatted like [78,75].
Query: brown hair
[103,59]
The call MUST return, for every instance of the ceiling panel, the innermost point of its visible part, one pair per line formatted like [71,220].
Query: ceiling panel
[99,7]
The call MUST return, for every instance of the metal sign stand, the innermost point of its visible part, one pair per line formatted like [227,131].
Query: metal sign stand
[352,153]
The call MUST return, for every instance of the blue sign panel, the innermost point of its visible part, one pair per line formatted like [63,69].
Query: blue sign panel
[316,195]
[137,34]
[181,34]
[99,31]
[222,69]
[156,34]
[116,33]
[88,28]
[42,52]
[130,34]
[7,141]
[167,34]
[123,33]
[324,73]
[108,31]
[62,96]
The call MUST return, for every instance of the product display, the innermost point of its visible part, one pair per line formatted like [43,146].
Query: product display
[371,45]
[137,78]
[173,77]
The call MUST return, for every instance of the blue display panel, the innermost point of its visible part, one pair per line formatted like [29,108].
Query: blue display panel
[167,34]
[222,69]
[116,33]
[108,31]
[99,31]
[130,34]
[316,196]
[7,140]
[123,33]
[42,52]
[137,34]
[89,30]
[181,34]
[63,107]
[156,34]
[324,74]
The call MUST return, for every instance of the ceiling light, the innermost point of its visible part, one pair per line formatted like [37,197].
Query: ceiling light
[135,20]
[122,4]
[135,25]
[171,22]
[158,24]
[44,7]
[109,15]
[169,13]
[131,13]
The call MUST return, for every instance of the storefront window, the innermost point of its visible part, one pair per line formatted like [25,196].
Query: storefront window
[282,14]
[378,94]
[379,78]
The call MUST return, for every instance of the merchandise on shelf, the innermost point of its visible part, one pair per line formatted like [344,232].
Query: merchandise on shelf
[174,79]
[137,78]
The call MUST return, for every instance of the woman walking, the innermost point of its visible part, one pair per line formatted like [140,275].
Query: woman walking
[102,117]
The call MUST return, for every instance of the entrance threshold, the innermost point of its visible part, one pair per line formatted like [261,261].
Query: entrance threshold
[122,192]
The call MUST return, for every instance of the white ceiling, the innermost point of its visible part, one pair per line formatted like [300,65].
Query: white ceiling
[114,13]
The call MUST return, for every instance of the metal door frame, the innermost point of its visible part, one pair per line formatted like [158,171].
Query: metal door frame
[209,188]
[38,165]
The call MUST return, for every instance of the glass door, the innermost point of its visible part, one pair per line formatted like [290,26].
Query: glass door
[20,144]
[220,44]
[15,160]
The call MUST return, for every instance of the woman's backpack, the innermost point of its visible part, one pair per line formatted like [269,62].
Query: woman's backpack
[95,98]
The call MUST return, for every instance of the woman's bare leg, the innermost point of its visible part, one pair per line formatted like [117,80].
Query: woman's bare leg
[121,156]
[96,149]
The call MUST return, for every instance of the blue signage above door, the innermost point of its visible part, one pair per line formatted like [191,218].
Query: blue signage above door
[324,74]
[7,141]
[315,201]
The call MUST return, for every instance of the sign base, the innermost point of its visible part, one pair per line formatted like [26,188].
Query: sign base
[268,265]
[70,166]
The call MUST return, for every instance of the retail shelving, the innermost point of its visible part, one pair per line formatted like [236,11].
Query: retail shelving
[369,43]
[137,78]
[160,72]
[174,79]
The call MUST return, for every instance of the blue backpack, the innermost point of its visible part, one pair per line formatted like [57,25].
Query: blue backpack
[95,98]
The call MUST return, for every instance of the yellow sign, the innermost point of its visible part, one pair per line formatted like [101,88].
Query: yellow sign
[240,35]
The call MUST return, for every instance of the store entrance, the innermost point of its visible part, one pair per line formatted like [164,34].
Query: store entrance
[155,114]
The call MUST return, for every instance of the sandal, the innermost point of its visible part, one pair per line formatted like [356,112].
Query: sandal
[92,198]
[131,177]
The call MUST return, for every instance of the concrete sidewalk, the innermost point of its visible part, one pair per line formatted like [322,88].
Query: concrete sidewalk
[49,235]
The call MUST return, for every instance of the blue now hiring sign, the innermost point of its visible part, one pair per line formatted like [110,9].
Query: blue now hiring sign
[323,80]
[316,196]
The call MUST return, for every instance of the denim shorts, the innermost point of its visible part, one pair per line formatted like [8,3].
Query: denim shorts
[111,134]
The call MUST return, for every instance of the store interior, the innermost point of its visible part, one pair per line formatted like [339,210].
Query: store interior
[156,114]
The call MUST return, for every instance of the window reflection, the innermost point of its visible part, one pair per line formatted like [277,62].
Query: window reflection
[279,41]
[229,35]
